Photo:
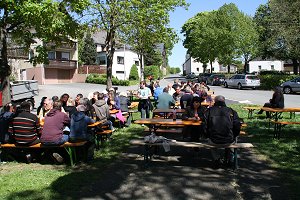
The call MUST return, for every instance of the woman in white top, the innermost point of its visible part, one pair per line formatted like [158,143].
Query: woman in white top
[144,94]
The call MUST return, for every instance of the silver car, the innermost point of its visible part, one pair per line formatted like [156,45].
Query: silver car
[242,81]
[291,86]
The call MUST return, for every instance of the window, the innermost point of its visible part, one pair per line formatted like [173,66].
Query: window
[51,55]
[120,72]
[259,67]
[62,55]
[120,60]
[197,69]
[137,63]
[272,67]
[101,60]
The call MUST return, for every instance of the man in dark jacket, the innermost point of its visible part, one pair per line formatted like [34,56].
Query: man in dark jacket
[102,111]
[222,126]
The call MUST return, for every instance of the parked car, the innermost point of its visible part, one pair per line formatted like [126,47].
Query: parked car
[203,77]
[216,79]
[243,81]
[191,75]
[291,86]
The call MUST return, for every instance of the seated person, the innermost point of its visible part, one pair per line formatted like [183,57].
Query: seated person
[41,106]
[55,122]
[177,94]
[79,130]
[25,126]
[165,100]
[5,118]
[196,113]
[187,98]
[277,101]
[222,126]
[78,97]
[47,106]
[124,103]
[113,100]
[70,107]
[102,111]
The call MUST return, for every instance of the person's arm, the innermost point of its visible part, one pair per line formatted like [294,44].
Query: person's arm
[66,120]
[236,124]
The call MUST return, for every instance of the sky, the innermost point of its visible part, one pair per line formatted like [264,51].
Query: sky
[180,16]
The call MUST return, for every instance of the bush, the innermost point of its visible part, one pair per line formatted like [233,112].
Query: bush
[134,74]
[269,81]
[152,70]
[101,79]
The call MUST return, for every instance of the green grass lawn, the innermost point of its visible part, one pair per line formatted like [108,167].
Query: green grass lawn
[49,181]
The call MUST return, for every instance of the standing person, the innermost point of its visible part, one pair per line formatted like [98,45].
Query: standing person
[145,105]
[222,126]
[194,113]
[165,100]
[157,91]
[277,101]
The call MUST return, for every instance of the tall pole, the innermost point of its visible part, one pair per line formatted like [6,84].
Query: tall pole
[124,62]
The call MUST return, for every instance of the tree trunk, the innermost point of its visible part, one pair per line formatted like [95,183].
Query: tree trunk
[164,59]
[211,67]
[295,66]
[110,50]
[5,69]
[142,67]
[228,69]
[204,66]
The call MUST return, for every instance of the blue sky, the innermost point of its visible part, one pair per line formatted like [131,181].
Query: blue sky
[180,16]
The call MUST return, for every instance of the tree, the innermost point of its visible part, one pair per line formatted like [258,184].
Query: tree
[23,21]
[149,26]
[285,21]
[88,53]
[134,74]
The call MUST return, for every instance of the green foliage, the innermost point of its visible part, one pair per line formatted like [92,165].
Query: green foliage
[134,74]
[88,52]
[153,71]
[174,70]
[102,78]
[269,81]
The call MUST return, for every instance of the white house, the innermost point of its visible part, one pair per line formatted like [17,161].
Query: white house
[265,65]
[190,65]
[123,58]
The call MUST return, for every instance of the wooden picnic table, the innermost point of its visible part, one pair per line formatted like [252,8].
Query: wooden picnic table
[113,111]
[169,122]
[167,111]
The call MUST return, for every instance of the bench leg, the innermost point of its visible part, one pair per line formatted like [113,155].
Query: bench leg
[146,154]
[235,166]
[71,152]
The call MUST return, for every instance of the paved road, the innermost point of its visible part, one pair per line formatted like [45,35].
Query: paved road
[242,96]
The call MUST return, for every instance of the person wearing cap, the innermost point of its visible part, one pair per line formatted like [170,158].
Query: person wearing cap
[194,113]
[222,126]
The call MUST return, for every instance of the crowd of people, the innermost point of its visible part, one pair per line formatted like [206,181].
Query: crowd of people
[60,120]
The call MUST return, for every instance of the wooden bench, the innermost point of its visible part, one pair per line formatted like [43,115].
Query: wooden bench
[68,146]
[101,136]
[175,131]
[147,154]
[278,127]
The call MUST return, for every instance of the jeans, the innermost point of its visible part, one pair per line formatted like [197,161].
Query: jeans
[145,113]
[217,153]
[64,139]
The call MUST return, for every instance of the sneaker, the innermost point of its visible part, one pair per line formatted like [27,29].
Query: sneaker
[58,158]
[28,158]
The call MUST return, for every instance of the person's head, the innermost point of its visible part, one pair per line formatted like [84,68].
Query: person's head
[196,102]
[48,103]
[78,96]
[188,89]
[25,106]
[81,108]
[83,101]
[70,102]
[55,98]
[111,95]
[96,95]
[64,98]
[219,100]
[123,94]
[142,84]
[177,89]
[57,105]
[166,90]
[42,101]
[101,96]
[8,108]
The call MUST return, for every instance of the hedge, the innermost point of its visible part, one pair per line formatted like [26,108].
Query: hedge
[101,79]
[269,81]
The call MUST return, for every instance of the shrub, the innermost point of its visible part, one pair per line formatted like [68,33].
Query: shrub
[269,81]
[152,70]
[101,79]
[134,74]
